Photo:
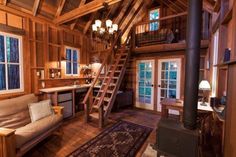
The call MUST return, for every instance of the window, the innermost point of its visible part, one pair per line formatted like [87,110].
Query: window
[154,15]
[72,61]
[11,67]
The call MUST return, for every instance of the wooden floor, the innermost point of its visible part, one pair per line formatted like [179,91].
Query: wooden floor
[76,133]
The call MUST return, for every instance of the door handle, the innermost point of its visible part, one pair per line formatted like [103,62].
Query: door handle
[159,85]
[152,85]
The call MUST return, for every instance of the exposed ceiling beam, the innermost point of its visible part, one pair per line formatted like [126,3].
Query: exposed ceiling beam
[88,24]
[35,7]
[84,10]
[4,2]
[72,26]
[60,7]
[124,7]
[208,6]
[131,13]
[175,5]
[168,5]
[184,3]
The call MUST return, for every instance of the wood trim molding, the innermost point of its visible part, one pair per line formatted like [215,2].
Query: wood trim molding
[84,10]
[10,29]
[36,7]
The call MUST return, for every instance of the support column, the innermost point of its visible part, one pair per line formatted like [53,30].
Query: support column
[192,63]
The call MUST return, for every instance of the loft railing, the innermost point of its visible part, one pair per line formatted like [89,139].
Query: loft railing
[166,30]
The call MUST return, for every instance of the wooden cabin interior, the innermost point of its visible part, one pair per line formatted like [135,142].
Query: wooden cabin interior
[117,78]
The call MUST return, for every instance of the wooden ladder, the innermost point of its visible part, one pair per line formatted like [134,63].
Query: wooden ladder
[105,98]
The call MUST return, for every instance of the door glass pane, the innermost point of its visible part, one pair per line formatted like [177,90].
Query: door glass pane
[141,83]
[148,83]
[172,85]
[2,77]
[165,66]
[148,74]
[2,50]
[141,74]
[13,77]
[172,93]
[12,50]
[164,84]
[141,91]
[164,75]
[173,75]
[141,99]
[173,66]
[148,99]
[163,93]
[148,91]
[142,66]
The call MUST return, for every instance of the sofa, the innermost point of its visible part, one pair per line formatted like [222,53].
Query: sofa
[17,133]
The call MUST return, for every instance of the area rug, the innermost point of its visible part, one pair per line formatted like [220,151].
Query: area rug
[123,139]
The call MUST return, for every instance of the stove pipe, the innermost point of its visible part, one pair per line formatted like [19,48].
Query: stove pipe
[192,63]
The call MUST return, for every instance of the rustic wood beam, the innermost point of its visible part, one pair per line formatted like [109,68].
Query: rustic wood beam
[35,7]
[175,5]
[168,5]
[60,7]
[72,26]
[124,7]
[10,29]
[84,10]
[130,15]
[88,24]
[4,2]
[208,6]
[184,3]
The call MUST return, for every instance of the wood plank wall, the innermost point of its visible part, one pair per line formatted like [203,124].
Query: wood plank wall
[43,48]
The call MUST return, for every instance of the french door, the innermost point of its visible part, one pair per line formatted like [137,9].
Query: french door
[145,81]
[168,80]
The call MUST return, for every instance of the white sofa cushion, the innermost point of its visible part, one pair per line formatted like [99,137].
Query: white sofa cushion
[40,110]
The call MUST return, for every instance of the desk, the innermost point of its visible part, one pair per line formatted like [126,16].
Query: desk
[174,104]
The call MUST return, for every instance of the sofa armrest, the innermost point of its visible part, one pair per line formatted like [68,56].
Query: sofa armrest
[7,142]
[58,109]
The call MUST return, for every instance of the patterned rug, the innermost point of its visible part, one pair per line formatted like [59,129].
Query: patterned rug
[123,139]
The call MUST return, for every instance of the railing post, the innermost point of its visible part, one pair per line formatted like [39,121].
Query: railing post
[101,116]
[133,44]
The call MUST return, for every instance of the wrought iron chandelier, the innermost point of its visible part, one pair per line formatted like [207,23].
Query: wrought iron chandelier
[104,26]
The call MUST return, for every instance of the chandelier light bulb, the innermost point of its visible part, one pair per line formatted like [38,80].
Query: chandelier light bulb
[108,23]
[111,30]
[94,27]
[115,27]
[102,30]
[98,23]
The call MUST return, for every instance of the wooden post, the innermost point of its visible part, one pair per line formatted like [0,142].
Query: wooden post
[7,143]
[101,118]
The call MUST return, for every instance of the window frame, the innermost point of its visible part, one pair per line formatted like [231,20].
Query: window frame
[21,64]
[149,17]
[71,61]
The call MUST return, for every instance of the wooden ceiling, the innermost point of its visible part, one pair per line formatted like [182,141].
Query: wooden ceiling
[80,14]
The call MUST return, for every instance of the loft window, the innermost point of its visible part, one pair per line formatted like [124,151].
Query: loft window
[11,65]
[154,15]
[72,61]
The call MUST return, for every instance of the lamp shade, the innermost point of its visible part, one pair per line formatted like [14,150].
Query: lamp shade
[94,27]
[204,85]
[102,30]
[108,23]
[115,27]
[98,23]
[110,30]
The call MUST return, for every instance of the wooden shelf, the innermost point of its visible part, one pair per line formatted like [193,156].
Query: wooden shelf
[226,63]
[75,78]
[227,17]
[37,68]
[54,68]
[55,45]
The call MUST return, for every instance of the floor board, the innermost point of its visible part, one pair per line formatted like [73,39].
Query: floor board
[77,132]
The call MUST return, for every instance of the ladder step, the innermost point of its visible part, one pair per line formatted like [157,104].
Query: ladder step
[106,99]
[117,71]
[111,84]
[108,91]
[94,115]
[115,78]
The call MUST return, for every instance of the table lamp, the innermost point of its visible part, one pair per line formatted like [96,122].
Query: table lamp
[204,86]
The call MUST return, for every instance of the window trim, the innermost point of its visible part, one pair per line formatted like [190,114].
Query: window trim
[21,64]
[78,61]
